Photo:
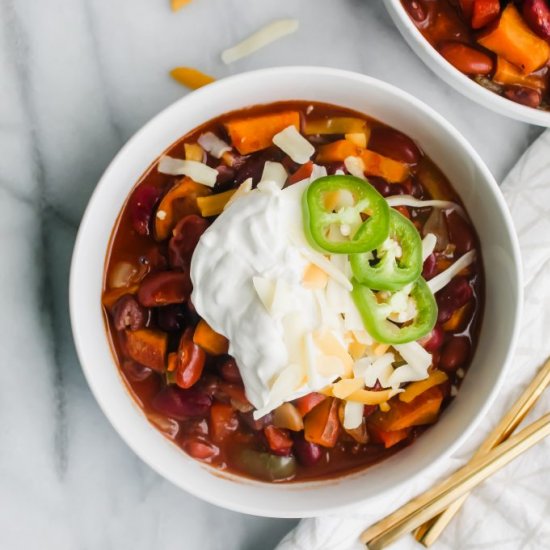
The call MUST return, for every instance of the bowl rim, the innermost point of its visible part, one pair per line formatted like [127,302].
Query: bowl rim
[452,76]
[87,224]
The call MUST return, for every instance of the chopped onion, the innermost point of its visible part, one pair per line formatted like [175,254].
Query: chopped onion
[266,35]
[355,166]
[428,245]
[445,277]
[409,200]
[197,171]
[275,172]
[294,144]
[213,144]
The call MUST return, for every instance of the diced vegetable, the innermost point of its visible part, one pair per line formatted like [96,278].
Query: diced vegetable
[178,4]
[287,416]
[148,347]
[308,402]
[110,297]
[413,390]
[384,167]
[266,465]
[360,139]
[180,201]
[256,133]
[192,78]
[278,440]
[516,42]
[302,173]
[389,439]
[209,340]
[321,425]
[458,319]
[334,125]
[213,205]
[337,151]
[223,421]
[422,410]
[508,74]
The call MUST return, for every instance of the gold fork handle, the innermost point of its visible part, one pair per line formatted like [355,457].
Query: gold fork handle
[435,500]
[430,531]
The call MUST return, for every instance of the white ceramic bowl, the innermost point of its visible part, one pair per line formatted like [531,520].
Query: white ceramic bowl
[454,77]
[443,144]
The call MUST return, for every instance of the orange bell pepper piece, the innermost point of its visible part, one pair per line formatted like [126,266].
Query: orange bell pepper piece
[321,425]
[209,340]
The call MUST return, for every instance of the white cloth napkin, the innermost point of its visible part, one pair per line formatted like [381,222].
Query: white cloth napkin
[511,510]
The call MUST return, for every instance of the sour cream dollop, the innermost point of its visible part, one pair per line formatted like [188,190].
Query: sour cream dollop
[247,273]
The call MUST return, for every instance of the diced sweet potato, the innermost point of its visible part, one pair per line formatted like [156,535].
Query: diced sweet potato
[148,347]
[307,402]
[508,74]
[337,151]
[422,410]
[209,340]
[389,439]
[256,133]
[516,42]
[384,167]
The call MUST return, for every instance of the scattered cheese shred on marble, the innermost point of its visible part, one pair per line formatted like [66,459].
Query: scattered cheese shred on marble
[178,4]
[197,171]
[266,35]
[192,78]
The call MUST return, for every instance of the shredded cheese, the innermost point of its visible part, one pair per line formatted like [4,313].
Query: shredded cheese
[409,200]
[197,171]
[355,166]
[445,277]
[428,245]
[275,172]
[192,78]
[266,35]
[294,144]
[213,144]
[353,415]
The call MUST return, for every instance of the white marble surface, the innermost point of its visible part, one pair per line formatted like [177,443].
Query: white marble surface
[78,77]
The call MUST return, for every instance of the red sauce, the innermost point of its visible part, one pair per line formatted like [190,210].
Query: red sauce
[185,415]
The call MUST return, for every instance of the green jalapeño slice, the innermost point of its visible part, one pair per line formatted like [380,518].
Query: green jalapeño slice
[376,309]
[345,215]
[396,262]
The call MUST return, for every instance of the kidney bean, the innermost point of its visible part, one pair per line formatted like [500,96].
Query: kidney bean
[180,404]
[333,167]
[226,175]
[461,233]
[537,15]
[434,340]
[455,353]
[394,144]
[190,362]
[136,372]
[484,12]
[141,206]
[416,10]
[525,96]
[306,452]
[153,259]
[129,314]
[164,287]
[254,165]
[171,318]
[466,59]
[453,296]
[429,269]
[256,425]
[229,370]
[381,185]
[200,449]
[185,237]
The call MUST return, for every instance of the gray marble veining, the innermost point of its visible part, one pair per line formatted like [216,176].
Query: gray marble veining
[78,78]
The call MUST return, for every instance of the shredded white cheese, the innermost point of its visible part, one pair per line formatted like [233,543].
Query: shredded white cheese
[445,277]
[197,171]
[294,144]
[409,200]
[355,166]
[259,39]
[428,245]
[243,189]
[353,415]
[275,172]
[213,144]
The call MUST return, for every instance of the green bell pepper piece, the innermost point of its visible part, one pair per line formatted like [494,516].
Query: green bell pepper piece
[266,465]
[374,314]
[386,272]
[365,233]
